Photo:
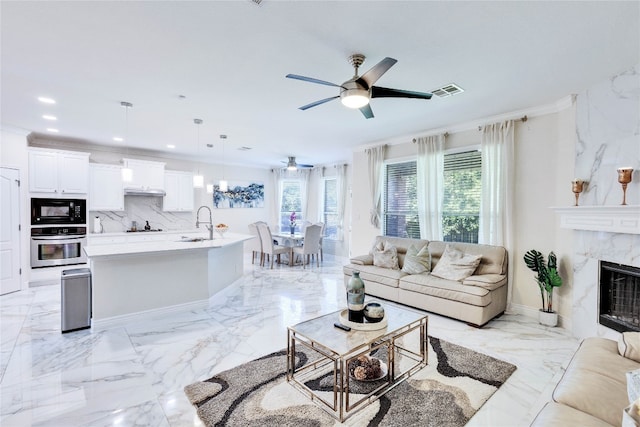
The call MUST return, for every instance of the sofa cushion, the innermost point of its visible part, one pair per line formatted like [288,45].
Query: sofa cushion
[385,255]
[402,245]
[417,261]
[448,289]
[629,345]
[456,265]
[487,281]
[371,273]
[556,415]
[595,382]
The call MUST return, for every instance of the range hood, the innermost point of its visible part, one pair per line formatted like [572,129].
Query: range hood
[153,192]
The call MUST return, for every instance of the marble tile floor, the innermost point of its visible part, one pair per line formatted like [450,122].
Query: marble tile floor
[134,375]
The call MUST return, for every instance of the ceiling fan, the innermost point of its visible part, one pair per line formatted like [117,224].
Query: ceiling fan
[358,90]
[292,165]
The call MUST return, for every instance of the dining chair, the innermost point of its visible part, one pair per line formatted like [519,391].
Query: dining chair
[268,248]
[255,244]
[311,245]
[321,224]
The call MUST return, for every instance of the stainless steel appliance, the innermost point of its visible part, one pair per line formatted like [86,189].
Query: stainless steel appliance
[75,296]
[58,211]
[54,246]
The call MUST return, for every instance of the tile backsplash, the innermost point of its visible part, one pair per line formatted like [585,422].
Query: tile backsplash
[142,209]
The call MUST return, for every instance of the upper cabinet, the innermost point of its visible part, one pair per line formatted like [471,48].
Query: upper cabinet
[146,175]
[179,188]
[58,172]
[105,188]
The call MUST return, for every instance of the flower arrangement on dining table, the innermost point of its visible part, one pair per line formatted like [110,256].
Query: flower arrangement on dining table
[292,222]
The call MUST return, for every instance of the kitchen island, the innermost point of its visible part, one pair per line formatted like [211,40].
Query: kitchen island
[134,279]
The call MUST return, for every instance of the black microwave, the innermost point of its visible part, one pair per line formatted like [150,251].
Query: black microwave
[58,211]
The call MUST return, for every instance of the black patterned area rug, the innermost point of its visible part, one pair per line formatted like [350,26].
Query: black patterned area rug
[447,392]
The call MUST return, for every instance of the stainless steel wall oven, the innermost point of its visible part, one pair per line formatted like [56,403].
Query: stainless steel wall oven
[54,246]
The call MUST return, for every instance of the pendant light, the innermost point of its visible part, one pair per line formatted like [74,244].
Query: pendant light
[127,173]
[198,180]
[224,185]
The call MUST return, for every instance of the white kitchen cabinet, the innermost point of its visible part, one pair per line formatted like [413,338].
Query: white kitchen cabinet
[146,174]
[105,188]
[58,172]
[179,188]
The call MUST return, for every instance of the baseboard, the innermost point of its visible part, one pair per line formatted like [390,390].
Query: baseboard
[127,319]
[524,310]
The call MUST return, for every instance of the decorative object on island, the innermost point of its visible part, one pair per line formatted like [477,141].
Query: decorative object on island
[221,229]
[292,222]
[355,298]
[373,312]
[547,279]
[625,175]
[577,186]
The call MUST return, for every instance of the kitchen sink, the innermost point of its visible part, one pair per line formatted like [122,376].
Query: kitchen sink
[191,239]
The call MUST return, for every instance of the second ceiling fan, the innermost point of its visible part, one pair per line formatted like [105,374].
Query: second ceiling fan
[358,91]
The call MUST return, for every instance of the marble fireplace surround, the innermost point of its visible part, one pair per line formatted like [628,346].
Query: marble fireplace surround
[602,233]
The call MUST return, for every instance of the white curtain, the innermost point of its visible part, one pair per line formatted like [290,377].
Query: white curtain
[430,185]
[375,157]
[341,184]
[278,176]
[496,208]
[304,176]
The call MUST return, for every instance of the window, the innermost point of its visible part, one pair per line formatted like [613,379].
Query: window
[461,204]
[291,202]
[462,192]
[330,208]
[400,205]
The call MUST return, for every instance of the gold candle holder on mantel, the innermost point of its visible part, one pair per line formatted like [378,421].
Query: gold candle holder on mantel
[624,178]
[577,185]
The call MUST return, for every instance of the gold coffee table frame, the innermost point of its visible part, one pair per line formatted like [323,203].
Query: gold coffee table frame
[331,350]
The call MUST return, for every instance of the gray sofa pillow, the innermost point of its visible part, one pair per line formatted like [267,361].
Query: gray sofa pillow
[456,265]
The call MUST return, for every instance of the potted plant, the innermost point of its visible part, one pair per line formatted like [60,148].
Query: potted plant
[547,279]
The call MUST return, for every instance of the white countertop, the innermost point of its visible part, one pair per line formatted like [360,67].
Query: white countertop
[94,251]
[139,233]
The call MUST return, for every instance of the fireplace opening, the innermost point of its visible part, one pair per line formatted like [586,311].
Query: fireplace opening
[619,297]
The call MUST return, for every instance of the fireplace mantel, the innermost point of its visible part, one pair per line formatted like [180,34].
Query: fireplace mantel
[610,219]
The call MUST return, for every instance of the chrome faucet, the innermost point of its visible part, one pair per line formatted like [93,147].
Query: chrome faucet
[209,225]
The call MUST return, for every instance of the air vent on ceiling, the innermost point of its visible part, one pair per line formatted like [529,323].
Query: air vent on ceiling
[447,90]
[244,148]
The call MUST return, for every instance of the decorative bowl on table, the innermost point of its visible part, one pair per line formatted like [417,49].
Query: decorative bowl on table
[373,312]
[221,229]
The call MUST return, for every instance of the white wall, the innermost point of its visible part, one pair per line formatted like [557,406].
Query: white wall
[13,154]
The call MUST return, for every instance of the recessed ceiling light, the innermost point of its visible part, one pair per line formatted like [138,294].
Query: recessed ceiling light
[48,117]
[52,130]
[46,100]
[171,146]
[118,138]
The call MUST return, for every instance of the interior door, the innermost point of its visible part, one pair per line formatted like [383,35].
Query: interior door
[9,231]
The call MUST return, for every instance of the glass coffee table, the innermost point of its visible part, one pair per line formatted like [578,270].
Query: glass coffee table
[328,357]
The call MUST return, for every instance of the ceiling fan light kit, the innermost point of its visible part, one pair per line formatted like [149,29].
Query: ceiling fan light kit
[358,91]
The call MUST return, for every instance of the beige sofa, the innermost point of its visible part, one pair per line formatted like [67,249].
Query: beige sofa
[593,390]
[475,300]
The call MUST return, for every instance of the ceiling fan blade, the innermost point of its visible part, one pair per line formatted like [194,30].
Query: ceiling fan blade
[383,92]
[310,80]
[367,112]
[372,76]
[316,103]
[303,166]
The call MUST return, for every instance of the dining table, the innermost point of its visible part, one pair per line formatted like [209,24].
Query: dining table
[288,240]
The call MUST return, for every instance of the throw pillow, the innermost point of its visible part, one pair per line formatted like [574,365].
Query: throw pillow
[456,265]
[629,345]
[633,385]
[416,262]
[386,256]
